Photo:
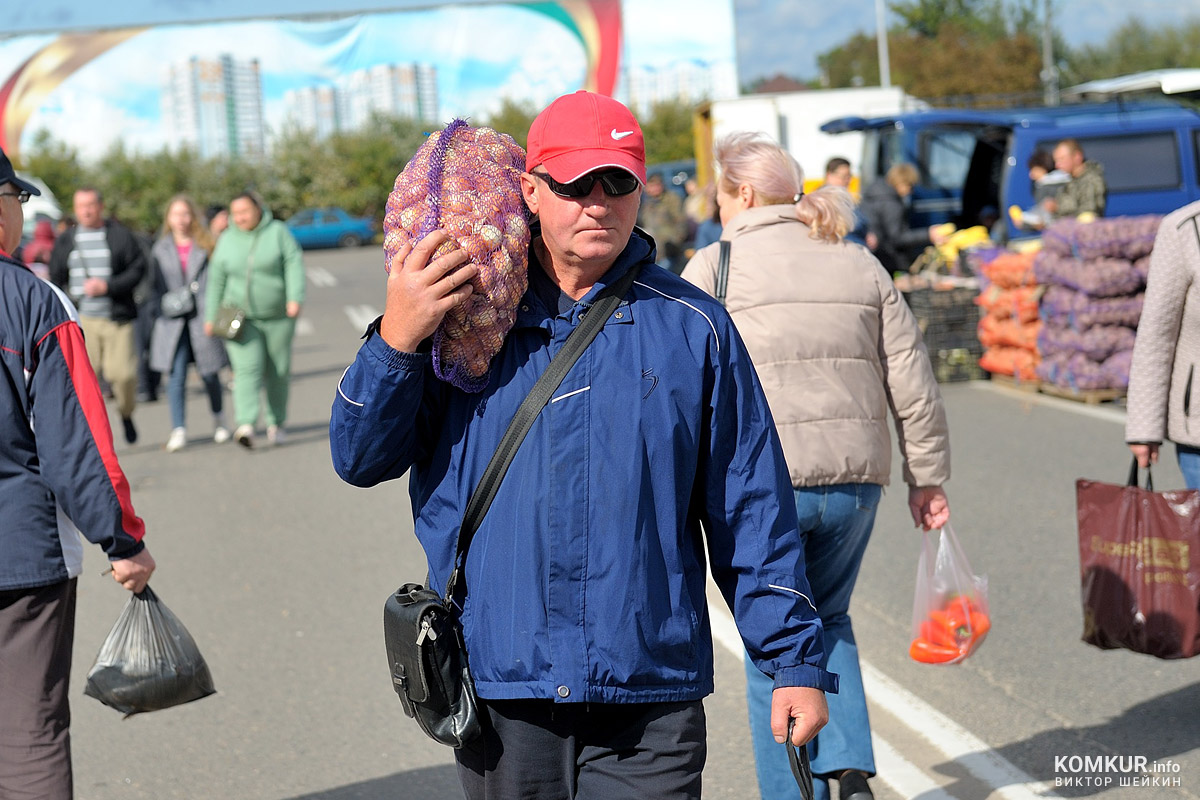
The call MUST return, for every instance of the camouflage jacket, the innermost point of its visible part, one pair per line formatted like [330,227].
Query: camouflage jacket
[1088,192]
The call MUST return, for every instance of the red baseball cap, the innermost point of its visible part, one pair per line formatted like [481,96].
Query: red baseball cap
[582,132]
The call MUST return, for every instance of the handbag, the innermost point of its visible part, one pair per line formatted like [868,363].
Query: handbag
[798,760]
[422,633]
[1139,566]
[229,322]
[179,302]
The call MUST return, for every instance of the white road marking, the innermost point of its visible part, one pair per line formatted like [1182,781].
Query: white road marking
[902,775]
[321,277]
[1084,409]
[361,316]
[304,327]
[949,738]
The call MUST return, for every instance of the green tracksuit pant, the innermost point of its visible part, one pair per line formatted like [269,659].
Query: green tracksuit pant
[262,358]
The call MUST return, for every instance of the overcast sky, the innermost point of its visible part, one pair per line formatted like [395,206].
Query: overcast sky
[785,36]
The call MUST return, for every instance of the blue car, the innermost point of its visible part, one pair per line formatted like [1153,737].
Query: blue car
[330,227]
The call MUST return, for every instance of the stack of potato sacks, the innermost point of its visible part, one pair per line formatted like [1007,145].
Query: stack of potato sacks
[1095,276]
[1009,328]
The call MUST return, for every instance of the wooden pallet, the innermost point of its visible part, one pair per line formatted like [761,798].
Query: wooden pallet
[1011,382]
[1092,397]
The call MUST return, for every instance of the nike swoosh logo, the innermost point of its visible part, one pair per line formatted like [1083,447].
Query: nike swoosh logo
[619,135]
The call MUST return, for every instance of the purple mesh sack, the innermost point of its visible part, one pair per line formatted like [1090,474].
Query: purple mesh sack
[1066,308]
[1099,277]
[1127,238]
[1097,343]
[1142,266]
[1116,369]
[1075,371]
[466,181]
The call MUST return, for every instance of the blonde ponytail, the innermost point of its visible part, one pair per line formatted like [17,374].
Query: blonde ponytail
[829,211]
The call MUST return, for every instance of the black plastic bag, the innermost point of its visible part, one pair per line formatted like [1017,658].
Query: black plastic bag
[149,660]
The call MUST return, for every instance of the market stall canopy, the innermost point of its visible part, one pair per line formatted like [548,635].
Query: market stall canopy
[1183,82]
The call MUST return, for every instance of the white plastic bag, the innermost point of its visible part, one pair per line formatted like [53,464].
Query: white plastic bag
[950,608]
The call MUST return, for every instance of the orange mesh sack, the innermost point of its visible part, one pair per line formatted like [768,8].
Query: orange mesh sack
[466,181]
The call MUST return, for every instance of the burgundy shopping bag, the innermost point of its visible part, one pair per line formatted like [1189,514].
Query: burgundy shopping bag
[1139,562]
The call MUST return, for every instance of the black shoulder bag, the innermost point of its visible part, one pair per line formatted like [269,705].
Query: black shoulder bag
[181,301]
[722,271]
[424,639]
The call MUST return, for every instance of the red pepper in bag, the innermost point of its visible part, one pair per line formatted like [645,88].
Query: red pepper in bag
[950,613]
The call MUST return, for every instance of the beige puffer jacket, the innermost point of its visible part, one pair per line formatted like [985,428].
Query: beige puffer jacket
[835,347]
[1164,387]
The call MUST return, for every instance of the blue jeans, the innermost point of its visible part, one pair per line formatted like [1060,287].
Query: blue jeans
[1189,464]
[835,524]
[177,383]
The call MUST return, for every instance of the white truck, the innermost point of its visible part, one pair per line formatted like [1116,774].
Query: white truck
[794,119]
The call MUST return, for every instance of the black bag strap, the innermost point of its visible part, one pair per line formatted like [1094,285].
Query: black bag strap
[1133,476]
[722,272]
[798,759]
[481,499]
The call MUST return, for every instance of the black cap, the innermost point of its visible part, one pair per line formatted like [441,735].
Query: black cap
[9,175]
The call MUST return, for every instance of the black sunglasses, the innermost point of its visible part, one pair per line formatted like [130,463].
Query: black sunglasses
[616,183]
[22,196]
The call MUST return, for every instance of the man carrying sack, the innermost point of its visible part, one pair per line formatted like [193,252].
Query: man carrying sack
[582,599]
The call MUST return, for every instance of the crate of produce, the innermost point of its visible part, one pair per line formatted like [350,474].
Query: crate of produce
[925,300]
[948,318]
[965,338]
[957,364]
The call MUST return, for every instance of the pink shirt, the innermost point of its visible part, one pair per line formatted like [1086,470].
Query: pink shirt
[184,250]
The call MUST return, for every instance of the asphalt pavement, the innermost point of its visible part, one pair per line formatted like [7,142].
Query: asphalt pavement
[279,571]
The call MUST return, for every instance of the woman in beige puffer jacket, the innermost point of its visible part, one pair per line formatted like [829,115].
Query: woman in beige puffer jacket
[836,349]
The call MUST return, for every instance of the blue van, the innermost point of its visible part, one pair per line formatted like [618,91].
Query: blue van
[970,159]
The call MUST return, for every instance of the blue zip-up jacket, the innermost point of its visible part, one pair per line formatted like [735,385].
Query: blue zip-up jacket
[586,580]
[59,474]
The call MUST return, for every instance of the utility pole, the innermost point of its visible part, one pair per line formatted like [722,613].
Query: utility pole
[1049,71]
[885,67]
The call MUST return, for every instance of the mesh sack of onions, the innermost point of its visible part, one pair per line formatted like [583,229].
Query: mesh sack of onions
[466,181]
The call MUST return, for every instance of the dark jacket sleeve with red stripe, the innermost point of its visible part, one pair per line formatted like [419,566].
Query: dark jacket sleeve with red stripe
[56,445]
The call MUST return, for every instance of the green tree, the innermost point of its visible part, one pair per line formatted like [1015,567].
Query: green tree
[855,62]
[989,19]
[999,67]
[55,164]
[1134,47]
[513,118]
[668,132]
[948,49]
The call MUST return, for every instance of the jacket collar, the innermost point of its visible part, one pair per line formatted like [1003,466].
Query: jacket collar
[759,217]
[532,312]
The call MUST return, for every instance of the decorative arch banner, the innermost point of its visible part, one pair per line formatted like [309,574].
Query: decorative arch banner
[136,72]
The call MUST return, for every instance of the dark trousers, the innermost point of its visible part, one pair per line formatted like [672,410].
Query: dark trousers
[540,750]
[37,629]
[148,379]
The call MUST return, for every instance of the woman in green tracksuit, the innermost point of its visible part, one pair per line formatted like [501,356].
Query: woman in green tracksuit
[258,267]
